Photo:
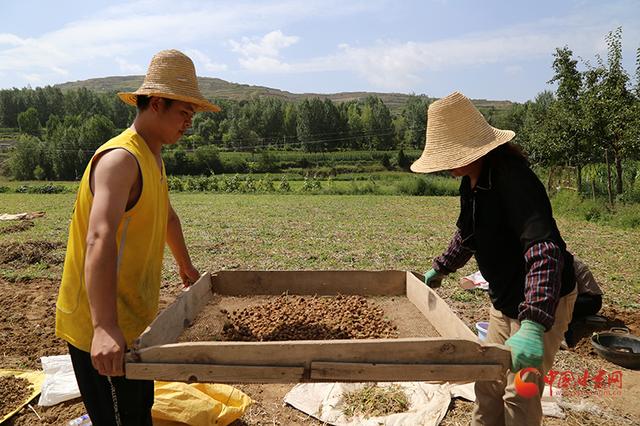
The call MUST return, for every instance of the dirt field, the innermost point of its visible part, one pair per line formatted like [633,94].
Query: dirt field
[312,233]
[27,320]
[398,311]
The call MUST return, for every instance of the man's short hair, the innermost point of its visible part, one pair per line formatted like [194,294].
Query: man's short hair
[142,102]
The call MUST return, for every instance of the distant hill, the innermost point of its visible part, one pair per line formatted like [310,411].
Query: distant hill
[217,88]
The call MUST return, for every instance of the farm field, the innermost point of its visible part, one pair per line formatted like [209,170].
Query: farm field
[304,232]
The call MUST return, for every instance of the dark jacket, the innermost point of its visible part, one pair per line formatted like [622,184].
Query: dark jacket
[507,213]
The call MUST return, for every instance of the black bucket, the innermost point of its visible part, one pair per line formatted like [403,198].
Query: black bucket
[618,346]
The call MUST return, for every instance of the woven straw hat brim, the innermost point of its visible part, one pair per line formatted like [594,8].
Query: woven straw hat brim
[457,135]
[171,75]
[201,104]
[439,158]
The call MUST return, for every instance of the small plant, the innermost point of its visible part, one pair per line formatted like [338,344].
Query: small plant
[248,185]
[265,184]
[175,184]
[212,183]
[374,401]
[232,184]
[284,185]
[311,184]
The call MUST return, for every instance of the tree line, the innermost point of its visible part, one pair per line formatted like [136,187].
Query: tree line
[60,130]
[592,118]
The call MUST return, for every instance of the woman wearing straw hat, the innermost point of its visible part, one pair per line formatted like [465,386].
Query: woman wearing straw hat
[121,221]
[506,223]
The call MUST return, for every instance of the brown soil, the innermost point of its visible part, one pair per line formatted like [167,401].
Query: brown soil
[58,415]
[615,317]
[13,392]
[308,318]
[16,227]
[469,312]
[27,323]
[269,409]
[27,333]
[256,318]
[29,253]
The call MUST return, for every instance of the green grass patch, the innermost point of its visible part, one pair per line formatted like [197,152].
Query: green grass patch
[621,215]
[320,232]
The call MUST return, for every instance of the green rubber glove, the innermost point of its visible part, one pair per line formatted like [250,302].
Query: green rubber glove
[433,278]
[527,346]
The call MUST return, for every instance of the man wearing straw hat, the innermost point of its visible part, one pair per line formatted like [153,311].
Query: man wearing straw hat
[506,222]
[121,221]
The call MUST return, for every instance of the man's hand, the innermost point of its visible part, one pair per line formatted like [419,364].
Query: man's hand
[527,346]
[189,275]
[433,278]
[107,351]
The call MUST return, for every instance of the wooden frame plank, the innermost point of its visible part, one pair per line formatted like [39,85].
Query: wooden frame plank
[370,283]
[436,310]
[175,372]
[303,352]
[367,372]
[456,356]
[171,322]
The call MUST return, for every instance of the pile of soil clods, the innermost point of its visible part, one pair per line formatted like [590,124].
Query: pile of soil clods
[309,318]
[13,392]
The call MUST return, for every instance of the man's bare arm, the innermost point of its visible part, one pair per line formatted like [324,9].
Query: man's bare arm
[113,177]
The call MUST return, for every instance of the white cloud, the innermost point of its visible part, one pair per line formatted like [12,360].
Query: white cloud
[201,60]
[127,34]
[33,78]
[144,26]
[393,65]
[513,70]
[269,45]
[261,54]
[11,39]
[127,67]
[265,64]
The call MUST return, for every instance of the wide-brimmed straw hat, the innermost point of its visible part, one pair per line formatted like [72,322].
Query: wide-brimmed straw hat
[457,135]
[171,75]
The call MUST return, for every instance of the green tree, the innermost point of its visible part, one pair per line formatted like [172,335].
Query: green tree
[310,124]
[93,132]
[24,158]
[618,106]
[535,134]
[415,115]
[12,102]
[29,122]
[206,129]
[206,160]
[566,117]
[377,124]
[290,123]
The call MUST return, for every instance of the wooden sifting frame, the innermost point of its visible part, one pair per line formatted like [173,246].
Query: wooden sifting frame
[456,356]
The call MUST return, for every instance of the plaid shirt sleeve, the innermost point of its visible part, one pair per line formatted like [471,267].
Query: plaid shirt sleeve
[454,258]
[544,263]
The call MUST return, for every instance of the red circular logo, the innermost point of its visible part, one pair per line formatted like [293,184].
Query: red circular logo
[526,389]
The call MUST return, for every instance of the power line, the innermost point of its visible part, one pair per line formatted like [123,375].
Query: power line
[283,144]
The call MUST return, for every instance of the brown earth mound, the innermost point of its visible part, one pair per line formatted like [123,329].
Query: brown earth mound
[309,318]
[29,253]
[27,323]
[613,317]
[17,227]
[13,392]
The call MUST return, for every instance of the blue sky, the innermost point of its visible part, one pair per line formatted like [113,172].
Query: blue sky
[486,49]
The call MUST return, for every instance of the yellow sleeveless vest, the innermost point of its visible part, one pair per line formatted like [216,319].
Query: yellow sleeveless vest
[140,244]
